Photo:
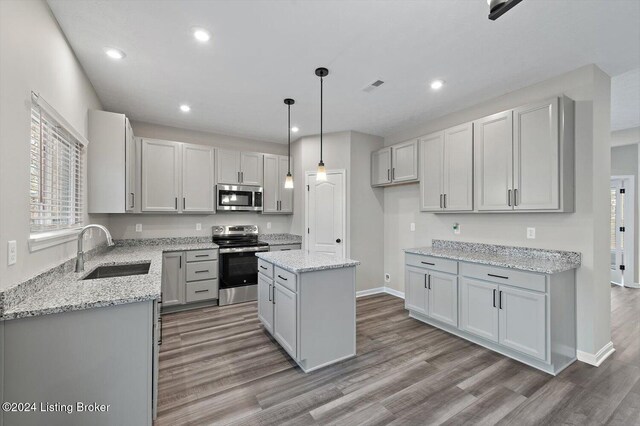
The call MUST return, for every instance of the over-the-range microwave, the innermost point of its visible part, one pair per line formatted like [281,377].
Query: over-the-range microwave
[239,198]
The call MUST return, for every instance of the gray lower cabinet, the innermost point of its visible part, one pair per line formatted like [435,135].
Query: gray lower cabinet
[285,318]
[527,316]
[189,277]
[265,307]
[173,279]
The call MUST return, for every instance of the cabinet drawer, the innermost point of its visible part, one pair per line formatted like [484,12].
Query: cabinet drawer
[198,271]
[202,290]
[265,268]
[286,247]
[285,278]
[512,277]
[201,255]
[430,262]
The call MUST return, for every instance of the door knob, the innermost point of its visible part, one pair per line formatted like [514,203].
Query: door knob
[338,240]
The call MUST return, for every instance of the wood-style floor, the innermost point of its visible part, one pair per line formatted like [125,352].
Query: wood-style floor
[218,366]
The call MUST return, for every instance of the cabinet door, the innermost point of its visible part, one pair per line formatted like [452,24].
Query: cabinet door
[265,304]
[381,167]
[493,138]
[130,168]
[478,309]
[285,319]
[160,175]
[271,189]
[251,168]
[536,147]
[415,287]
[523,321]
[458,168]
[404,161]
[197,178]
[431,172]
[443,297]
[173,287]
[286,194]
[228,167]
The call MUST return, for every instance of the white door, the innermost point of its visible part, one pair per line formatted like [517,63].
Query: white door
[285,319]
[326,214]
[479,309]
[458,168]
[265,303]
[251,168]
[381,167]
[197,178]
[160,175]
[271,188]
[228,167]
[622,230]
[536,147]
[443,297]
[431,172]
[523,321]
[415,287]
[493,145]
[404,161]
[286,194]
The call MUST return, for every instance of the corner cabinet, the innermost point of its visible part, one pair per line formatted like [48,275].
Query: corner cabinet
[395,164]
[276,198]
[239,168]
[446,172]
[189,279]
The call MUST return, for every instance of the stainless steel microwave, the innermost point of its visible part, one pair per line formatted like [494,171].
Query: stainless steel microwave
[239,198]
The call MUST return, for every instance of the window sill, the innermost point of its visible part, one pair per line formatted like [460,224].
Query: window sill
[42,240]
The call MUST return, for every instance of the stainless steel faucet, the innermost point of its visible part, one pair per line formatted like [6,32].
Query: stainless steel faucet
[80,256]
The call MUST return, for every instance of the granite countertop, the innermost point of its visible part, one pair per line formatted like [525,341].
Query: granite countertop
[66,291]
[280,239]
[522,258]
[304,261]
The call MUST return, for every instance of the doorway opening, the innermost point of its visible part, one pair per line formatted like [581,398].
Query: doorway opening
[622,230]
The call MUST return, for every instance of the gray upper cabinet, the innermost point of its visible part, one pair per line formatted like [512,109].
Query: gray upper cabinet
[276,198]
[111,164]
[395,164]
[524,158]
[239,168]
[160,175]
[446,172]
[197,178]
[173,279]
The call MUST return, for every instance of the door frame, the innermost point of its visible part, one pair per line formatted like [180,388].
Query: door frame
[308,175]
[628,277]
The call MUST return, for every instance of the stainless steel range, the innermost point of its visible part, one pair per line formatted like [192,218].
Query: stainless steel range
[238,262]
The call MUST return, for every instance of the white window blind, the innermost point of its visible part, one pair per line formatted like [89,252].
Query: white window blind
[56,188]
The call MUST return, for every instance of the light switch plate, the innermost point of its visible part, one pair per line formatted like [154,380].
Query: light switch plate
[412,226]
[12,252]
[138,227]
[198,227]
[268,225]
[531,233]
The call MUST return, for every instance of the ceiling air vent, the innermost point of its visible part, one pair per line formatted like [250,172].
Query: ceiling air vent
[374,85]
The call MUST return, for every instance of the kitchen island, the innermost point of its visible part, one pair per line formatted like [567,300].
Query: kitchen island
[307,302]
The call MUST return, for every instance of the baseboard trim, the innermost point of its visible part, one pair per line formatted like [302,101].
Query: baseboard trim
[379,290]
[598,358]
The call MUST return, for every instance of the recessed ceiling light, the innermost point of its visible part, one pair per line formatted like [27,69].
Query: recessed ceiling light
[201,35]
[437,84]
[114,53]
[185,108]
[294,129]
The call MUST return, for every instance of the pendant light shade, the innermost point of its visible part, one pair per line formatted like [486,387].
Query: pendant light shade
[288,181]
[322,172]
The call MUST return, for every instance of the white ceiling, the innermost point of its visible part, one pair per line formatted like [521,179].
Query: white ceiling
[264,51]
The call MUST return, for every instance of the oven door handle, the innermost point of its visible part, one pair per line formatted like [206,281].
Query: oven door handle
[243,250]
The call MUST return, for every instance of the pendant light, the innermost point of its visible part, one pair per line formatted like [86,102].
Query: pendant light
[288,182]
[322,173]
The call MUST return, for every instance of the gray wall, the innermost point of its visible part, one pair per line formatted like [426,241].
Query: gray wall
[585,231]
[624,161]
[35,57]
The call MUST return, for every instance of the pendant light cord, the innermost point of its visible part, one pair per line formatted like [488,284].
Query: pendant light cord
[289,138]
[321,81]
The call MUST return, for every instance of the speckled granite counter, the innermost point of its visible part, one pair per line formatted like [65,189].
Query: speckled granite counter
[280,239]
[304,261]
[522,258]
[62,290]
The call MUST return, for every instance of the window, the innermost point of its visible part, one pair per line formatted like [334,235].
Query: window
[56,190]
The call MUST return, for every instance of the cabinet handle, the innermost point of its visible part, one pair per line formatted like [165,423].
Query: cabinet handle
[444,204]
[388,174]
[393,173]
[440,200]
[202,255]
[425,280]
[429,282]
[176,203]
[263,267]
[509,197]
[133,200]
[494,297]
[184,203]
[515,197]
[428,263]
[202,291]
[180,258]
[500,299]
[281,277]
[238,177]
[160,324]
[269,292]
[273,294]
[202,272]
[498,276]
[241,177]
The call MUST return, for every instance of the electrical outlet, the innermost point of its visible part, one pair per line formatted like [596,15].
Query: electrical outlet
[531,233]
[12,252]
[412,226]
[198,227]
[456,228]
[268,225]
[387,277]
[138,227]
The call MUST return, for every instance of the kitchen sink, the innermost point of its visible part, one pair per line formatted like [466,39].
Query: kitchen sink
[110,271]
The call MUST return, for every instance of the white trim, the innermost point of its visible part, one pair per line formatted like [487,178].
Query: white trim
[380,290]
[627,182]
[44,105]
[598,358]
[42,240]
